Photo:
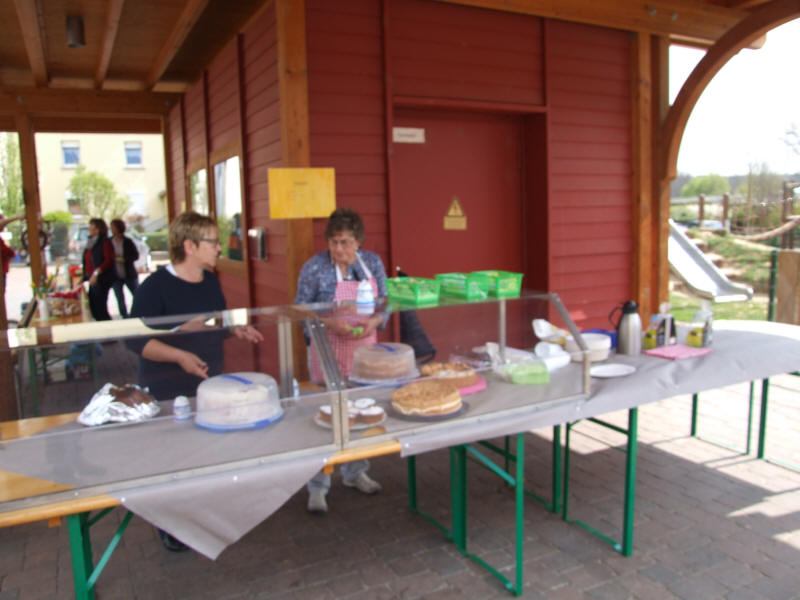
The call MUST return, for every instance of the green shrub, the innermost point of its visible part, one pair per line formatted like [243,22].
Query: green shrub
[157,240]
[58,216]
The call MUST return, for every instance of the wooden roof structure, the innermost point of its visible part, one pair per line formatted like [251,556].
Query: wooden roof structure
[133,60]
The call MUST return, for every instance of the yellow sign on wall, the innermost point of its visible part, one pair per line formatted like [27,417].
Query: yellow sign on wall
[455,219]
[301,193]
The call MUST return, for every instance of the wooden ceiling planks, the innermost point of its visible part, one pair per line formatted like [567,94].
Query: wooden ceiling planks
[30,24]
[110,30]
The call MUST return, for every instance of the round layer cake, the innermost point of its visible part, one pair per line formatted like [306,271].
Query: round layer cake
[383,361]
[459,374]
[237,401]
[427,398]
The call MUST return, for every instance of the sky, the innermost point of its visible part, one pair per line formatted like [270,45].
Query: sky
[744,112]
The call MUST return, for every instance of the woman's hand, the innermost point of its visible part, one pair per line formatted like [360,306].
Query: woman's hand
[193,364]
[370,325]
[249,333]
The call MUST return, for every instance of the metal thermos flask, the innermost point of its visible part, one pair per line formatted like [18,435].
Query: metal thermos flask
[629,329]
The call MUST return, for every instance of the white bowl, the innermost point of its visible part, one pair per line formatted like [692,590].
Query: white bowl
[599,345]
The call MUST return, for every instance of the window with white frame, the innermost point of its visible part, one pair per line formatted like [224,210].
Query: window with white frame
[133,154]
[70,155]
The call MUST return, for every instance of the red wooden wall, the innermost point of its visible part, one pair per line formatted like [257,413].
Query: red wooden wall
[570,82]
[223,99]
[459,53]
[194,107]
[262,149]
[346,106]
[177,159]
[589,109]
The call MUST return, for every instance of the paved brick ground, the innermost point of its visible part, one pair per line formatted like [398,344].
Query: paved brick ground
[710,523]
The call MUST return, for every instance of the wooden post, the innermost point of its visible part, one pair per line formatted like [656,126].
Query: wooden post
[726,199]
[30,191]
[8,388]
[290,16]
[701,210]
[788,290]
[643,151]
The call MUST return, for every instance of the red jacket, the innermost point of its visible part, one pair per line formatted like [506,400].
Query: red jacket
[6,254]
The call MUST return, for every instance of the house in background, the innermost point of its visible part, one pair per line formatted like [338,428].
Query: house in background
[134,163]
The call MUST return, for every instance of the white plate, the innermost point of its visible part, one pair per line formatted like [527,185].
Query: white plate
[356,427]
[612,370]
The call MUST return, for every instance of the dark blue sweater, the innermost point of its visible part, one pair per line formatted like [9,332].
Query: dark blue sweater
[163,294]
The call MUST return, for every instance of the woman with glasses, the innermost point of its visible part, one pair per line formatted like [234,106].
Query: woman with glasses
[175,365]
[333,276]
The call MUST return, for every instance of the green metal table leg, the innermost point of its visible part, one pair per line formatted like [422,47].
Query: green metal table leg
[630,482]
[750,417]
[411,468]
[626,546]
[458,496]
[81,550]
[520,516]
[762,426]
[746,450]
[557,470]
[506,453]
[565,489]
[80,544]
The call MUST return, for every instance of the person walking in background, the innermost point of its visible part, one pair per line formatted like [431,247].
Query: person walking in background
[98,268]
[6,253]
[125,255]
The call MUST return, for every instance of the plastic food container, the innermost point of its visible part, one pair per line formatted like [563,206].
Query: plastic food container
[599,345]
[413,290]
[502,284]
[464,285]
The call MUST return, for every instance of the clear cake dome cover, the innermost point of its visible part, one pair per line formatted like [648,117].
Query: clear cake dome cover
[388,360]
[234,382]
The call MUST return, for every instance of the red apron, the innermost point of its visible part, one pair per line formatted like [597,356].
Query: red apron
[344,346]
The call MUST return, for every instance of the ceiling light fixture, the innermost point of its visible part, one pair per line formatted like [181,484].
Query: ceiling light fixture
[75,37]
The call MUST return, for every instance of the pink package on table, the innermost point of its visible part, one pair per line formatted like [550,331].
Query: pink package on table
[677,351]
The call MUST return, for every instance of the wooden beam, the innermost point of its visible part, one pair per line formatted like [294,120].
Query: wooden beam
[44,124]
[109,38]
[30,18]
[642,166]
[93,102]
[191,13]
[761,20]
[694,20]
[295,141]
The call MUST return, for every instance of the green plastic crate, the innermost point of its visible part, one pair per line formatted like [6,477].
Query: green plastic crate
[464,285]
[502,284]
[413,290]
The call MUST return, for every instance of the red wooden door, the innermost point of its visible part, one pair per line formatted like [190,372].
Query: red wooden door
[475,158]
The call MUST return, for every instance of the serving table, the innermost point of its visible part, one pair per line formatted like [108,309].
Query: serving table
[236,480]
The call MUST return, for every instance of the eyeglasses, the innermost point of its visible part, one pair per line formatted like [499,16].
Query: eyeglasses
[343,242]
[212,241]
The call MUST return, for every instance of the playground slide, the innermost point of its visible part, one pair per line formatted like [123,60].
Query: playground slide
[700,275]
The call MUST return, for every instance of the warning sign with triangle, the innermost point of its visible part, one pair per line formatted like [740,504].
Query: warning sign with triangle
[455,217]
